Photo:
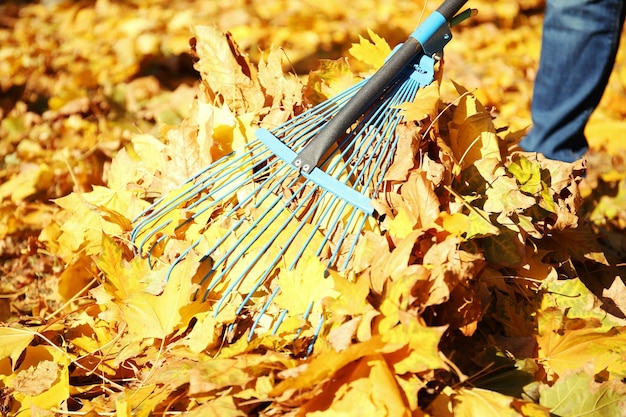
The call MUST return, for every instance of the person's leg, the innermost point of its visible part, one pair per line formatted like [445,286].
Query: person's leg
[579,43]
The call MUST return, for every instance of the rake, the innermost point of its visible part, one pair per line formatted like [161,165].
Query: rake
[302,190]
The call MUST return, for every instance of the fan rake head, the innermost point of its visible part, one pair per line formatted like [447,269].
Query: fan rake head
[254,215]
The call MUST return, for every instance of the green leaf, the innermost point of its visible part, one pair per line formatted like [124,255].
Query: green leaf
[578,394]
[504,249]
[527,173]
[574,297]
[547,201]
[480,225]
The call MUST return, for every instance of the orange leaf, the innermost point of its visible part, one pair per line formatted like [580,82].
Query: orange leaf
[404,159]
[425,104]
[566,344]
[370,384]
[326,364]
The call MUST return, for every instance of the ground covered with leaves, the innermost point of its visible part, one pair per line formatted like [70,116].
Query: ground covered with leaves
[492,284]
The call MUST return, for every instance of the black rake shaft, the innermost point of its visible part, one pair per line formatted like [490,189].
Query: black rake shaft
[310,156]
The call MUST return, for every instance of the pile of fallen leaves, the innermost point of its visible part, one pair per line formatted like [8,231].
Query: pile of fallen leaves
[492,285]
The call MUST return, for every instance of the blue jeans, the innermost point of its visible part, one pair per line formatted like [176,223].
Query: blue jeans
[579,43]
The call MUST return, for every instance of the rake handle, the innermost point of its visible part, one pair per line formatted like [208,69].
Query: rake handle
[312,153]
[450,7]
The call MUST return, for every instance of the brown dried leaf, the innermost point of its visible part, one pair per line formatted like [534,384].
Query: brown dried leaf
[283,92]
[404,159]
[616,293]
[226,70]
[36,379]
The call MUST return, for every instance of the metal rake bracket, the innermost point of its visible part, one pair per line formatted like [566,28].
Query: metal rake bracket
[424,71]
[433,35]
[316,175]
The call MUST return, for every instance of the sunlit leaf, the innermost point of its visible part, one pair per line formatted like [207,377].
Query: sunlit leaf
[424,105]
[326,364]
[222,406]
[566,344]
[577,393]
[579,302]
[408,142]
[480,225]
[369,383]
[32,179]
[227,73]
[330,79]
[419,348]
[473,402]
[473,135]
[372,53]
[148,306]
[504,194]
[13,341]
[527,173]
[304,285]
[476,401]
[42,379]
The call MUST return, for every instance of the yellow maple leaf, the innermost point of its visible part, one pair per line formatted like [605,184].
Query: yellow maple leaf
[479,402]
[352,299]
[148,305]
[303,285]
[122,406]
[332,78]
[222,406]
[419,199]
[472,132]
[42,379]
[32,179]
[371,53]
[326,364]
[402,224]
[456,224]
[369,383]
[422,352]
[566,344]
[102,209]
[285,92]
[13,341]
[150,151]
[226,70]
[204,333]
[76,277]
